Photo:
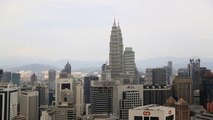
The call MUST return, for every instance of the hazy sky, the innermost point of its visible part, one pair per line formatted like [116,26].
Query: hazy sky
[80,29]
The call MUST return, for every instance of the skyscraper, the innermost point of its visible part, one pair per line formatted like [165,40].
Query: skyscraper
[52,78]
[29,104]
[159,76]
[33,79]
[8,101]
[64,90]
[79,100]
[66,72]
[16,78]
[126,97]
[43,93]
[116,53]
[7,76]
[194,68]
[129,65]
[182,87]
[101,97]
[87,85]
[1,74]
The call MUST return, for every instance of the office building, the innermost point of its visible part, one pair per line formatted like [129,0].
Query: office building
[33,79]
[126,97]
[1,74]
[48,114]
[183,72]
[152,112]
[16,78]
[101,97]
[156,94]
[159,76]
[79,100]
[64,90]
[65,111]
[168,69]
[182,88]
[87,81]
[194,68]
[148,77]
[206,91]
[181,108]
[7,77]
[51,78]
[29,104]
[43,93]
[116,53]
[8,101]
[129,66]
[66,72]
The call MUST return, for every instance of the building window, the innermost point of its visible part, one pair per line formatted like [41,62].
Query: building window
[146,118]
[138,118]
[171,117]
[154,118]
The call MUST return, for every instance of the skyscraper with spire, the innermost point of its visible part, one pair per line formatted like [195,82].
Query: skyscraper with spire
[116,53]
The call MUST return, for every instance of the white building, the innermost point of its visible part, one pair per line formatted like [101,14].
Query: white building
[152,112]
[29,104]
[126,97]
[8,101]
[79,100]
[64,90]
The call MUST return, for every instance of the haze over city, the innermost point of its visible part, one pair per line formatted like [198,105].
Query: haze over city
[80,30]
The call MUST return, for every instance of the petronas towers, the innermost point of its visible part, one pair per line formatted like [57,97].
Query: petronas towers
[116,70]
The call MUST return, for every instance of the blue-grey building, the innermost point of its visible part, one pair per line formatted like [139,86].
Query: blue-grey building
[87,85]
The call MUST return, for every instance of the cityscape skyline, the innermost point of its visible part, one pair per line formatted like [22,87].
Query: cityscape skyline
[56,30]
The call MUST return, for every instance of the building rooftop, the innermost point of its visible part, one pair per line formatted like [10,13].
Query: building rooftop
[152,107]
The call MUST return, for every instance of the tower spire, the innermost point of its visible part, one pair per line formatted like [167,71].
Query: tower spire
[114,24]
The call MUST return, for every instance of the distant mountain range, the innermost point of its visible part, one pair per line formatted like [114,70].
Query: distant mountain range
[37,65]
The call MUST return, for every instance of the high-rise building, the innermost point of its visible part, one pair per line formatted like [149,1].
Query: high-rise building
[79,100]
[126,97]
[1,74]
[159,76]
[52,78]
[194,68]
[152,112]
[182,88]
[156,94]
[66,72]
[7,77]
[43,93]
[29,104]
[101,97]
[87,82]
[65,111]
[206,91]
[183,72]
[8,101]
[129,65]
[181,108]
[116,53]
[64,91]
[16,77]
[168,69]
[148,76]
[33,79]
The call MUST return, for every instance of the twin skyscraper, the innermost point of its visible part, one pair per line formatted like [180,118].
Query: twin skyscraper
[121,63]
